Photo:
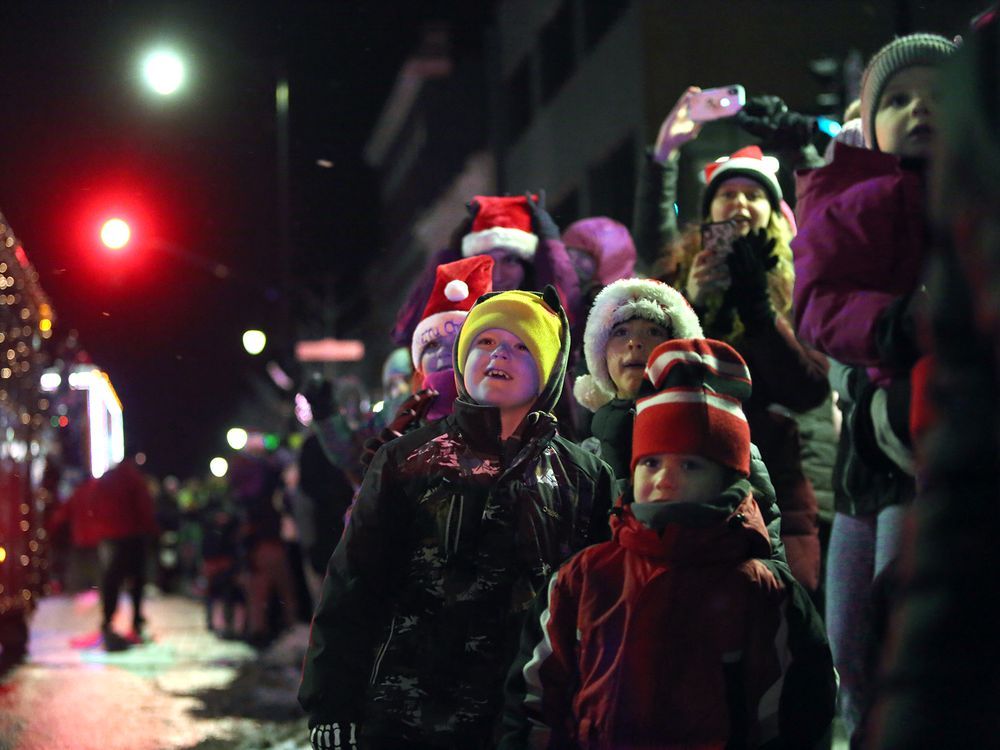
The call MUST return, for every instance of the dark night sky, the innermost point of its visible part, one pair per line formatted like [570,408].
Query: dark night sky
[78,134]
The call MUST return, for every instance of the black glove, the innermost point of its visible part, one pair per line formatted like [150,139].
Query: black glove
[768,118]
[319,393]
[749,262]
[542,223]
[335,736]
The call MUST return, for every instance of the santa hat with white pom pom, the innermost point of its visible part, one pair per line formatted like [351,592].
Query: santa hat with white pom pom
[457,286]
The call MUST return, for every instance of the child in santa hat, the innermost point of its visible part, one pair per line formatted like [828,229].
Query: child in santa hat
[457,286]
[680,632]
[456,527]
[735,266]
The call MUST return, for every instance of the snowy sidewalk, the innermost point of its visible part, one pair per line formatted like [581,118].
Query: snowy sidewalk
[184,689]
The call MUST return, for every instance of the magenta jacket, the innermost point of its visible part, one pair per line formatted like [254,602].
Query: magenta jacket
[860,247]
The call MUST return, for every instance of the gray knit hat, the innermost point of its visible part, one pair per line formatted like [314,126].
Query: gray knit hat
[904,52]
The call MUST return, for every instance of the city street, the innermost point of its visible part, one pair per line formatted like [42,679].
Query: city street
[185,688]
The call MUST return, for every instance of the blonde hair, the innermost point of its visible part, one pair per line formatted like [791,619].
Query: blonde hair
[780,280]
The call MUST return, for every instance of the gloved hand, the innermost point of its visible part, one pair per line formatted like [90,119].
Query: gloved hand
[768,118]
[749,262]
[319,393]
[542,223]
[334,736]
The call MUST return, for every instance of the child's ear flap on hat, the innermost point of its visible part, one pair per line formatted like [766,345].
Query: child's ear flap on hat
[551,298]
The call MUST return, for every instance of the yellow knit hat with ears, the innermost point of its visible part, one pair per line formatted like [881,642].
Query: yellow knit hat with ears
[527,316]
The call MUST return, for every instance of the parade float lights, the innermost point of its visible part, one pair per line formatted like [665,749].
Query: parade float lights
[104,414]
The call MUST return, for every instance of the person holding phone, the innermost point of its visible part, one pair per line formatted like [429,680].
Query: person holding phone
[740,284]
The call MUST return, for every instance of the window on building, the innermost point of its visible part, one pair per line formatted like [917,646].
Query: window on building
[519,100]
[558,58]
[599,16]
[611,183]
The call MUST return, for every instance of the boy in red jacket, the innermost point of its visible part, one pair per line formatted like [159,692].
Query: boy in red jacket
[679,632]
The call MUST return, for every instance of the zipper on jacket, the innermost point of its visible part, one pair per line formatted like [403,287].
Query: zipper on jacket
[381,653]
[452,538]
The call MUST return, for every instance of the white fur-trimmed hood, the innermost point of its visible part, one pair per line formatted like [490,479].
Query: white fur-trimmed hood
[623,300]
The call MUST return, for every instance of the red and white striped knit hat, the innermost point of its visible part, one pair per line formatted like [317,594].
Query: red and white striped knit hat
[697,408]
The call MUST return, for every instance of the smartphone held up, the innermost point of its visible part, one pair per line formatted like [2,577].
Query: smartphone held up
[718,236]
[716,103]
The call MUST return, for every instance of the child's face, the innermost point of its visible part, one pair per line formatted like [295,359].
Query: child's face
[500,371]
[436,355]
[905,122]
[508,272]
[678,477]
[628,349]
[741,198]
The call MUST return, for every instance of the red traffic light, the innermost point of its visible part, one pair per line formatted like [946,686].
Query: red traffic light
[115,233]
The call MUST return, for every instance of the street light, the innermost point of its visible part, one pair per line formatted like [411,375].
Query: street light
[163,71]
[237,438]
[218,466]
[254,341]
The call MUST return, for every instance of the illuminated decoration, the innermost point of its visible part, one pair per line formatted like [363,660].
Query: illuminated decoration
[237,438]
[377,407]
[330,350]
[163,71]
[115,233]
[104,414]
[27,322]
[254,341]
[218,466]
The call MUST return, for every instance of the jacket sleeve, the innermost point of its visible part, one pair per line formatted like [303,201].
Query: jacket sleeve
[544,677]
[353,604]
[553,266]
[851,264]
[654,221]
[788,372]
[791,684]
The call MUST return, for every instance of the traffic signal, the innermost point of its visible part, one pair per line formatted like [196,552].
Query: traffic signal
[115,233]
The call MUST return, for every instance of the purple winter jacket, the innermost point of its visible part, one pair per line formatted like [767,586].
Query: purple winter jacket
[860,246]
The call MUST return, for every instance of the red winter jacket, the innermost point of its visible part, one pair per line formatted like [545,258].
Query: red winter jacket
[122,504]
[674,640]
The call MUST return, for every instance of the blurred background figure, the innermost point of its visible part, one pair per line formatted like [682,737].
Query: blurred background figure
[126,517]
[255,481]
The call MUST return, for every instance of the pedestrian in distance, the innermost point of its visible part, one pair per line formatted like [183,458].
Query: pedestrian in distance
[126,516]
[456,527]
[681,631]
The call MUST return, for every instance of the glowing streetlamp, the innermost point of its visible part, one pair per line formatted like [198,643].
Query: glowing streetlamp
[254,341]
[218,466]
[237,438]
[163,70]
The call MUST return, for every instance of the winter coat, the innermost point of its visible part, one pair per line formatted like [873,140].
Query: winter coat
[123,506]
[858,253]
[787,377]
[452,534]
[685,638]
